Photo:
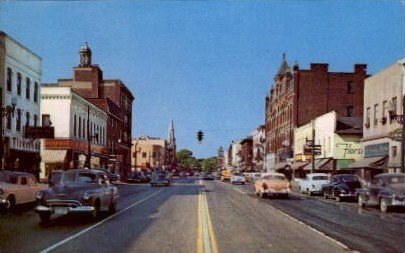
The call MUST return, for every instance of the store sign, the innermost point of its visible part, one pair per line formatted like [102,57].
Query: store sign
[396,135]
[381,149]
[348,150]
[39,132]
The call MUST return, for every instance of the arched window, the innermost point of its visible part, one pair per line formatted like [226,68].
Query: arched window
[9,79]
[36,92]
[80,127]
[19,78]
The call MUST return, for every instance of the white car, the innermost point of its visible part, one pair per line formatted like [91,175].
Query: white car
[312,183]
[18,188]
[238,178]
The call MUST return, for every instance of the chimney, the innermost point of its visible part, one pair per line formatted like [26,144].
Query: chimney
[360,68]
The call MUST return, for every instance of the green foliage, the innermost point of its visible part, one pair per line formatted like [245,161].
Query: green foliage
[186,161]
[209,164]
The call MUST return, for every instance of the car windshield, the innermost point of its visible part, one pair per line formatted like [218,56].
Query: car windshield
[315,178]
[274,177]
[400,179]
[11,179]
[348,179]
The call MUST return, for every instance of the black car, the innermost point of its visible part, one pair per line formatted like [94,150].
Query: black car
[160,179]
[386,190]
[137,177]
[208,176]
[341,187]
[76,191]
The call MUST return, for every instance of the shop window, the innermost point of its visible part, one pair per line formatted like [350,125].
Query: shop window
[394,151]
[143,154]
[9,79]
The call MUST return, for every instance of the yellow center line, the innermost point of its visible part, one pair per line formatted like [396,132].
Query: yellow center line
[206,242]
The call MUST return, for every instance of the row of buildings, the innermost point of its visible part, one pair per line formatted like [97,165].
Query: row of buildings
[91,116]
[347,121]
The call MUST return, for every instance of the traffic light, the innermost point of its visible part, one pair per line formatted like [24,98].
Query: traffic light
[200,136]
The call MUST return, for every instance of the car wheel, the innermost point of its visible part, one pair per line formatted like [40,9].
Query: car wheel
[310,193]
[325,196]
[10,203]
[262,195]
[45,217]
[113,207]
[360,201]
[384,206]
[96,212]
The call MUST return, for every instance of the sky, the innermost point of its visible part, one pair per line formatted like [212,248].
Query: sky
[205,64]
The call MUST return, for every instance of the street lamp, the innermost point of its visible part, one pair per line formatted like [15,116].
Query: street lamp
[5,112]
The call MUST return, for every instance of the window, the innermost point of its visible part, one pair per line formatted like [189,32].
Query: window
[143,154]
[74,126]
[19,84]
[394,151]
[375,114]
[18,126]
[394,105]
[9,79]
[80,126]
[384,108]
[8,121]
[27,88]
[84,129]
[35,120]
[350,111]
[350,87]
[46,120]
[27,118]
[36,92]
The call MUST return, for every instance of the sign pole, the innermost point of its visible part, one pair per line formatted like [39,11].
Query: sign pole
[313,148]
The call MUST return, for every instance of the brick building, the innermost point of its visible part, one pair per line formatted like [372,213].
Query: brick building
[113,97]
[246,154]
[299,95]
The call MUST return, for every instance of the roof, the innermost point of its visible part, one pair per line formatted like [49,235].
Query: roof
[283,66]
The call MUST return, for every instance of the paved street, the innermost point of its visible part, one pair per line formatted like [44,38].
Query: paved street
[208,216]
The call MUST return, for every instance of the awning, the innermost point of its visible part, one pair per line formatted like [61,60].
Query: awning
[281,165]
[299,165]
[54,156]
[320,164]
[370,162]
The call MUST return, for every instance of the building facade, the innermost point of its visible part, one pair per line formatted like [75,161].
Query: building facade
[236,161]
[258,146]
[148,153]
[78,124]
[299,95]
[382,151]
[246,154]
[20,79]
[113,97]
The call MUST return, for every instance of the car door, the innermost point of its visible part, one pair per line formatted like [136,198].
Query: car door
[23,191]
[327,189]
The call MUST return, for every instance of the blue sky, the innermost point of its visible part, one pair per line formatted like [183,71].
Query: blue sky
[207,65]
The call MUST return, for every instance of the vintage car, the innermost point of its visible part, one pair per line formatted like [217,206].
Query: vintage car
[208,176]
[160,179]
[18,188]
[111,176]
[342,187]
[238,178]
[271,184]
[386,190]
[312,183]
[137,177]
[76,191]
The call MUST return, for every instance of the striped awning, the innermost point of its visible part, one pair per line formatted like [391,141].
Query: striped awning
[54,156]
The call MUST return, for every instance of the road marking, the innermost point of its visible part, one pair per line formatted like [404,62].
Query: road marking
[98,224]
[206,242]
[304,224]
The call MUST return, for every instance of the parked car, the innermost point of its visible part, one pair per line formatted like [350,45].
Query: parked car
[77,191]
[238,178]
[272,184]
[160,179]
[18,188]
[342,187]
[386,190]
[111,176]
[208,176]
[256,176]
[137,177]
[312,183]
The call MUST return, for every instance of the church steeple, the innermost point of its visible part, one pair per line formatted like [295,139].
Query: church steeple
[172,138]
[85,55]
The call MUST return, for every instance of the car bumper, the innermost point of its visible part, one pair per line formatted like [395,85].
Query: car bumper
[63,209]
[348,195]
[3,202]
[396,202]
[277,192]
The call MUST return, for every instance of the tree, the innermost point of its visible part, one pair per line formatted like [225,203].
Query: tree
[209,164]
[186,160]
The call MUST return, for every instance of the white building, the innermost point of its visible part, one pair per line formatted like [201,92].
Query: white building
[236,159]
[259,143]
[20,81]
[76,122]
[383,92]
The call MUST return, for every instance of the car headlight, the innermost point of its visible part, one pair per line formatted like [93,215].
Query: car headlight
[39,195]
[86,196]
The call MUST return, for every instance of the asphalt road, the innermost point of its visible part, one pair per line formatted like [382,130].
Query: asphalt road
[206,216]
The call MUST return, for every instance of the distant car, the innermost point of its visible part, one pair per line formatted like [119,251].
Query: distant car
[312,183]
[137,177]
[77,191]
[111,176]
[160,180]
[342,187]
[208,176]
[237,178]
[272,184]
[386,190]
[18,188]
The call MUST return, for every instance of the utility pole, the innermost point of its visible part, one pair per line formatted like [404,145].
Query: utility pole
[88,157]
[313,148]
